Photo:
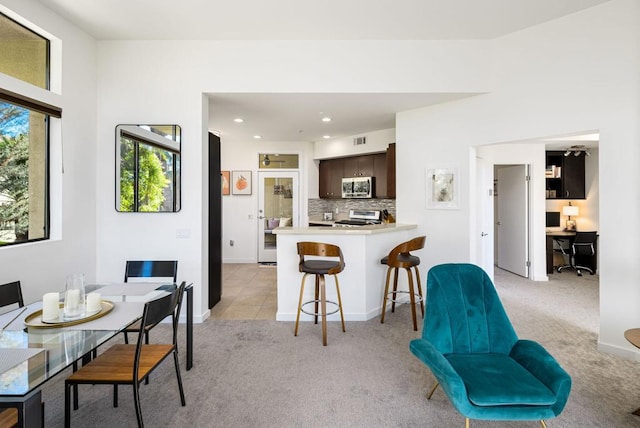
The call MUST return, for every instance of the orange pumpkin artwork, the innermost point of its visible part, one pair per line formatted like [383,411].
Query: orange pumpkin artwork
[241,182]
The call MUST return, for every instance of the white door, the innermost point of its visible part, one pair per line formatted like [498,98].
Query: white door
[484,216]
[513,219]
[278,205]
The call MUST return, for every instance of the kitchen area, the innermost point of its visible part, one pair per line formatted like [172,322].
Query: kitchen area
[355,211]
[362,184]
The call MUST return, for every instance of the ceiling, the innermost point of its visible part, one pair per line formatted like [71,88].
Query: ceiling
[307,20]
[296,117]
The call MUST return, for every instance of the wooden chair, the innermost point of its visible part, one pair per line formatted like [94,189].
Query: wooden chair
[11,293]
[151,271]
[125,364]
[320,268]
[400,258]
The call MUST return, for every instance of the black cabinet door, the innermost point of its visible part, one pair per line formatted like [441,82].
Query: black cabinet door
[573,178]
[569,183]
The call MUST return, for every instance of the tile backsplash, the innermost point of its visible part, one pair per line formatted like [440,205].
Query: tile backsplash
[319,206]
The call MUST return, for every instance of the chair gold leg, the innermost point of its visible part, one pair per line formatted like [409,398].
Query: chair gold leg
[432,391]
[304,277]
[323,304]
[412,299]
[386,292]
[466,422]
[543,424]
[339,302]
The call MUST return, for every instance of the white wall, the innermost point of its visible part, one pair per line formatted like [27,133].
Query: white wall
[240,212]
[573,74]
[42,266]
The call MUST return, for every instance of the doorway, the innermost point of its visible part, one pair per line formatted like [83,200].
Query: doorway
[512,218]
[278,206]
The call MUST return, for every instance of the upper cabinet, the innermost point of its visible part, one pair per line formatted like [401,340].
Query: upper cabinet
[331,173]
[564,176]
[358,166]
[381,166]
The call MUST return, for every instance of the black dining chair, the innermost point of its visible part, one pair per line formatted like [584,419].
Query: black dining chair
[11,293]
[152,271]
[130,364]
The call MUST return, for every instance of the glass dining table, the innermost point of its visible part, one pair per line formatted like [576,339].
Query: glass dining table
[32,353]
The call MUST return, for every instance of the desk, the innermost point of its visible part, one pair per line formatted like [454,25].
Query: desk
[550,237]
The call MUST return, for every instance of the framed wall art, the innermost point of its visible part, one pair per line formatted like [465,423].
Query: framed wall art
[241,182]
[443,188]
[226,179]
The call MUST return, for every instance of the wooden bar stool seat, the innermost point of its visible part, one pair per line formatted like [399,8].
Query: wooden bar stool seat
[319,268]
[400,258]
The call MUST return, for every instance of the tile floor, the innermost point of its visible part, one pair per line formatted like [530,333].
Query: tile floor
[248,293]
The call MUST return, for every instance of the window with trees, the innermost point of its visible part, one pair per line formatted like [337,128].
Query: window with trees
[24,137]
[148,168]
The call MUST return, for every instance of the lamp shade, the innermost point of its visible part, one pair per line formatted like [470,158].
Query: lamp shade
[570,210]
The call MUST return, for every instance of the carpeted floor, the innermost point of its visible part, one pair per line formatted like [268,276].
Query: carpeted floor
[257,374]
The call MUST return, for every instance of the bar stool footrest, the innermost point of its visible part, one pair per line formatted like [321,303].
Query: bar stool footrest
[319,313]
[418,298]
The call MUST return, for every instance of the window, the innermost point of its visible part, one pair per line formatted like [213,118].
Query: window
[148,168]
[24,137]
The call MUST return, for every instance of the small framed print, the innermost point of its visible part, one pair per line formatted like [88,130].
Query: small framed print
[225,177]
[241,182]
[443,188]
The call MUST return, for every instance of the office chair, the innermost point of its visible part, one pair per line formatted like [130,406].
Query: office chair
[582,253]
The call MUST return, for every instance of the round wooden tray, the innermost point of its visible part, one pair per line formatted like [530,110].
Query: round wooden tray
[35,319]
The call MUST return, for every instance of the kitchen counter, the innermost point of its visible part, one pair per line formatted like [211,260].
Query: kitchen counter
[354,230]
[362,280]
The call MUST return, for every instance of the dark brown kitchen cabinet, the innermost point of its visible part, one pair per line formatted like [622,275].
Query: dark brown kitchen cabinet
[331,173]
[391,171]
[381,166]
[380,173]
[358,166]
[564,176]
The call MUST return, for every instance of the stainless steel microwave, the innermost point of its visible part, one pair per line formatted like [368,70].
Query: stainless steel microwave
[358,187]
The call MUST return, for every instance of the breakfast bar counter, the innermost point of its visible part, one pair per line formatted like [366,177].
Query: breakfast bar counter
[361,282]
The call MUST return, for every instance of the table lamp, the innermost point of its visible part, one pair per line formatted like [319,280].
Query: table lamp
[570,210]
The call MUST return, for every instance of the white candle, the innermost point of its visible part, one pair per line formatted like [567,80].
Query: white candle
[72,300]
[51,307]
[93,302]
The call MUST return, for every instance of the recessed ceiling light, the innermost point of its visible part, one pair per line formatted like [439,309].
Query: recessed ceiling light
[238,120]
[326,136]
[326,119]
[257,137]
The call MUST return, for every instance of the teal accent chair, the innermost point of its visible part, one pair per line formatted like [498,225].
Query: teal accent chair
[471,348]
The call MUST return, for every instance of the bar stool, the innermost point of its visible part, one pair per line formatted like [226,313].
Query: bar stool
[320,268]
[398,258]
